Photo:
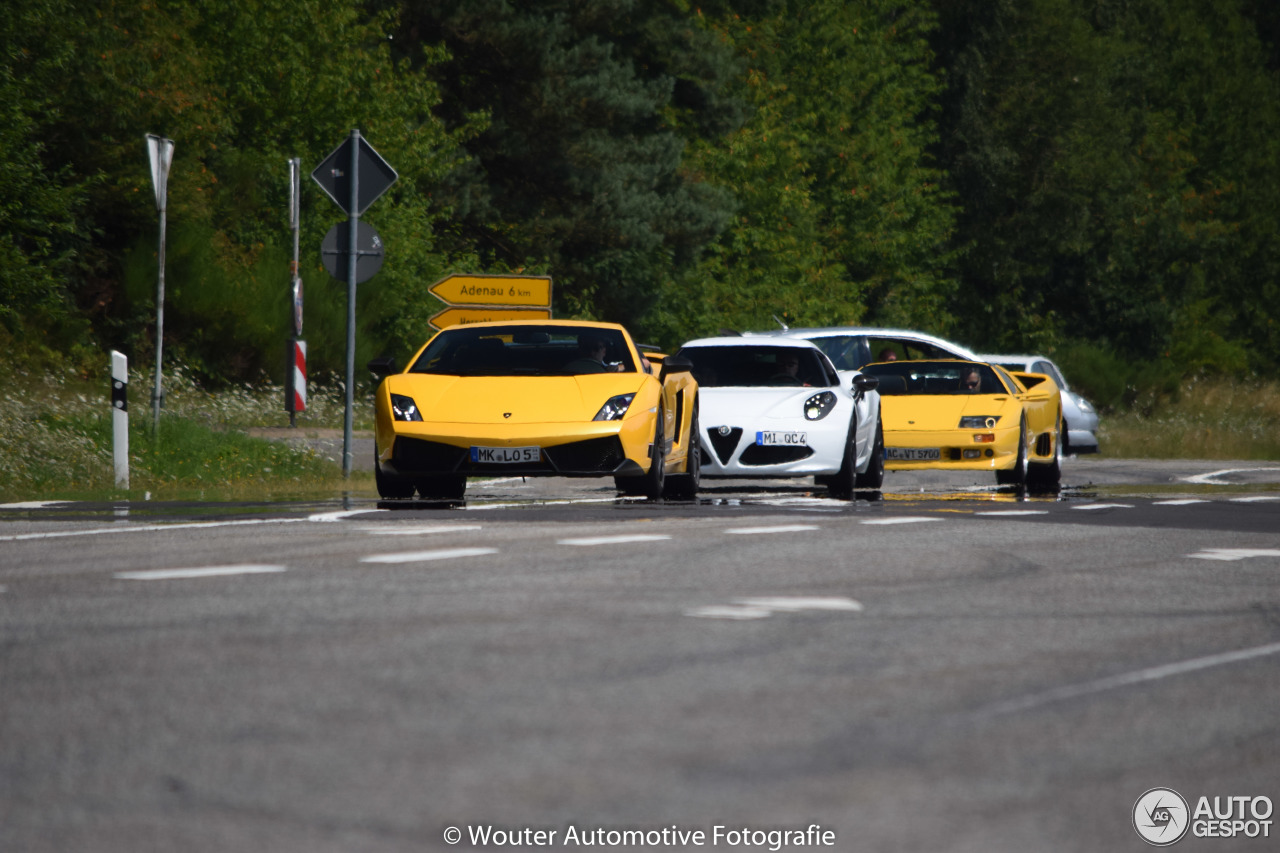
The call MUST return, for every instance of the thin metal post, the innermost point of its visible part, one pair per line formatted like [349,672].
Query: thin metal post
[353,223]
[157,393]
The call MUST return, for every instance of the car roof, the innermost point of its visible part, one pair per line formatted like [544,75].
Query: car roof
[736,341]
[572,324]
[868,331]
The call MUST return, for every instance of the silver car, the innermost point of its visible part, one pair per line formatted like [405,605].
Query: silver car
[850,347]
[1081,420]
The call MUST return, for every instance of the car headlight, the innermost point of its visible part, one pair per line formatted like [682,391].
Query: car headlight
[979,422]
[819,406]
[404,409]
[615,408]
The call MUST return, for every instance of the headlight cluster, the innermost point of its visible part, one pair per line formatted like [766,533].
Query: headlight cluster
[819,406]
[979,422]
[404,409]
[615,408]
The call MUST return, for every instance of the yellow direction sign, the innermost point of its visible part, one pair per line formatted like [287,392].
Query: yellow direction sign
[530,290]
[454,316]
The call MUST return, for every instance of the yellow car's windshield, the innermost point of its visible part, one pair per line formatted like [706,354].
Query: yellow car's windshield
[525,351]
[935,378]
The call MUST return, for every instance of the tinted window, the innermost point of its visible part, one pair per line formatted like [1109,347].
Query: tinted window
[524,351]
[757,366]
[935,378]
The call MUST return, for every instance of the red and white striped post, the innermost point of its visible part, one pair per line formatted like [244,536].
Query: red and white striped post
[295,395]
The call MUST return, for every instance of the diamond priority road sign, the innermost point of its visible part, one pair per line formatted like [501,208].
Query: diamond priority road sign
[334,175]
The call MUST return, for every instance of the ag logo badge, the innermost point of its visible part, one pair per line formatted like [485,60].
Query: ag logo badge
[1161,817]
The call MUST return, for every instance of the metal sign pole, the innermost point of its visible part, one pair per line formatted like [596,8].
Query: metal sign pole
[352,256]
[160,151]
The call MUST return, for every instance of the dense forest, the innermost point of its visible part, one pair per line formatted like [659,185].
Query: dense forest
[1099,179]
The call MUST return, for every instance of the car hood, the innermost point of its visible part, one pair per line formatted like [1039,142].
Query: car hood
[944,412]
[512,399]
[734,405]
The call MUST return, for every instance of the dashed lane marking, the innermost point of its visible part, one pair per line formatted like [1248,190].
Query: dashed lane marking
[780,528]
[614,540]
[204,572]
[420,531]
[427,556]
[1104,506]
[1181,502]
[1233,554]
[762,608]
[1013,512]
[906,519]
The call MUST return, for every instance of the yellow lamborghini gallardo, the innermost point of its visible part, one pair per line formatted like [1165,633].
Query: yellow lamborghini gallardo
[971,415]
[535,398]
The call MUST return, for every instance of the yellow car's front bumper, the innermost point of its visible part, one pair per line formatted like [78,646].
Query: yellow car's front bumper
[957,449]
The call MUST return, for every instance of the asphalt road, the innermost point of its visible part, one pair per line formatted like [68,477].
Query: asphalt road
[948,667]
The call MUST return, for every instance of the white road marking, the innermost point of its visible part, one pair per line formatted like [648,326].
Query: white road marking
[1181,502]
[33,504]
[145,528]
[205,572]
[1255,499]
[726,612]
[1114,682]
[425,556]
[419,531]
[1104,506]
[553,503]
[614,540]
[796,604]
[1212,478]
[339,515]
[1233,554]
[1013,512]
[761,608]
[906,519]
[781,528]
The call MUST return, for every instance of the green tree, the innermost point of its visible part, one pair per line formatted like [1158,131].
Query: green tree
[579,173]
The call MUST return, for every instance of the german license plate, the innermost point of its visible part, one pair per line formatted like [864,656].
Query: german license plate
[787,439]
[505,455]
[912,454]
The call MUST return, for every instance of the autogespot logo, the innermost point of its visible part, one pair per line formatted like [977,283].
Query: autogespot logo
[1161,817]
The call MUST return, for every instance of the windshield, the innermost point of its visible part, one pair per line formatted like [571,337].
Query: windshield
[931,378]
[525,351]
[759,366]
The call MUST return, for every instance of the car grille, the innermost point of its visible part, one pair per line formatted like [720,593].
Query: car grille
[757,454]
[724,444]
[593,456]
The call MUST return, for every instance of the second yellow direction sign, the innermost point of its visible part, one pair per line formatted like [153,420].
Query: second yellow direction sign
[466,316]
[518,290]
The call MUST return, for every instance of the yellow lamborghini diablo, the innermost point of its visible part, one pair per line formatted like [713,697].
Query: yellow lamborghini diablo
[970,415]
[535,398]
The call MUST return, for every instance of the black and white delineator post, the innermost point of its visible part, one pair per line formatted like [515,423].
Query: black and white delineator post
[120,417]
[160,150]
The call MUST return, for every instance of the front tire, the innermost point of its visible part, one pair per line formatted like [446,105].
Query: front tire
[390,486]
[841,483]
[1017,475]
[873,477]
[686,485]
[650,484]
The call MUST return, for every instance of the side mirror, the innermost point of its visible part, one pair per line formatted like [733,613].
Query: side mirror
[862,383]
[383,365]
[675,364]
